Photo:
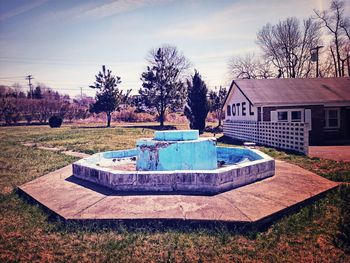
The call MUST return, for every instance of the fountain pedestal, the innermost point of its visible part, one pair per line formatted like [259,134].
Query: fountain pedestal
[176,150]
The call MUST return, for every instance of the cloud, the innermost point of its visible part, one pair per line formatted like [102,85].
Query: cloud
[236,17]
[97,10]
[118,7]
[215,25]
[21,9]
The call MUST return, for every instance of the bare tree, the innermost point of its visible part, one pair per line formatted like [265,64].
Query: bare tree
[327,62]
[345,25]
[163,82]
[249,66]
[287,45]
[337,24]
[170,56]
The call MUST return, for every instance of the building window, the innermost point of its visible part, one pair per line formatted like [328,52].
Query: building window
[296,116]
[288,115]
[282,115]
[332,117]
[228,110]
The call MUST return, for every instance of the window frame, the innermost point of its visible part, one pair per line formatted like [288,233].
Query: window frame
[296,120]
[289,115]
[326,117]
[281,111]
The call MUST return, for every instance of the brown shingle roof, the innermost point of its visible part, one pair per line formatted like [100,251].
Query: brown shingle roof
[295,91]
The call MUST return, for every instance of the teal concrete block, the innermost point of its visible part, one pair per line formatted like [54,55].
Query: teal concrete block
[120,153]
[197,154]
[182,135]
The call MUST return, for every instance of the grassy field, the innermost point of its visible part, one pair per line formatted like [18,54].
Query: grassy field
[317,233]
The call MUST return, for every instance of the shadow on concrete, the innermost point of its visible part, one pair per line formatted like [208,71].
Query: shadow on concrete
[229,140]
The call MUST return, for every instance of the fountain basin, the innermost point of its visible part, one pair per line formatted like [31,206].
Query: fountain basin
[117,170]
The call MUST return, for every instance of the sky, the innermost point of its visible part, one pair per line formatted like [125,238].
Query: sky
[64,43]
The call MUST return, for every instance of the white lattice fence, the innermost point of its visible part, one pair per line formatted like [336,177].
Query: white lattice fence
[285,135]
[241,130]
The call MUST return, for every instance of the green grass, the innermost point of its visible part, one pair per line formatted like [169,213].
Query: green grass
[318,232]
[333,170]
[87,140]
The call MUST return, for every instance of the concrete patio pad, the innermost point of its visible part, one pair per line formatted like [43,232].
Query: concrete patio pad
[74,199]
[335,153]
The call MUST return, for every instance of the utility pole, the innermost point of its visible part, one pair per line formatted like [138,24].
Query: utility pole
[347,60]
[314,57]
[29,78]
[81,93]
[348,63]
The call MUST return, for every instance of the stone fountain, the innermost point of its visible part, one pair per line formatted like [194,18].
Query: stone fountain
[175,161]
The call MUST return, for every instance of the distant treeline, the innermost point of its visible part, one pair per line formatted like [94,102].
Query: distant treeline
[38,106]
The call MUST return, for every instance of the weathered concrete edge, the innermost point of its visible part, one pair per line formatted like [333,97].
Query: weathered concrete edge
[260,223]
[175,223]
[55,216]
[267,220]
[52,215]
[249,224]
[28,197]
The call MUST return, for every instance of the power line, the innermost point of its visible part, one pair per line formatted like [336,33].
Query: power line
[29,78]
[64,62]
[70,59]
[13,77]
[11,81]
[94,61]
[314,57]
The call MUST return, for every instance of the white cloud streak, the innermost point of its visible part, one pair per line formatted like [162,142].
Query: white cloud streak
[21,9]
[118,7]
[235,17]
[96,10]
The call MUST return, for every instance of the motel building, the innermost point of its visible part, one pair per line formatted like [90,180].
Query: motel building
[289,114]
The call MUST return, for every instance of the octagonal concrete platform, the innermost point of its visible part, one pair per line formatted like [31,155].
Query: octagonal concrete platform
[74,199]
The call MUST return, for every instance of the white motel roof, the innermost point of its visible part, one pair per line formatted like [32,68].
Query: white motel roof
[295,91]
